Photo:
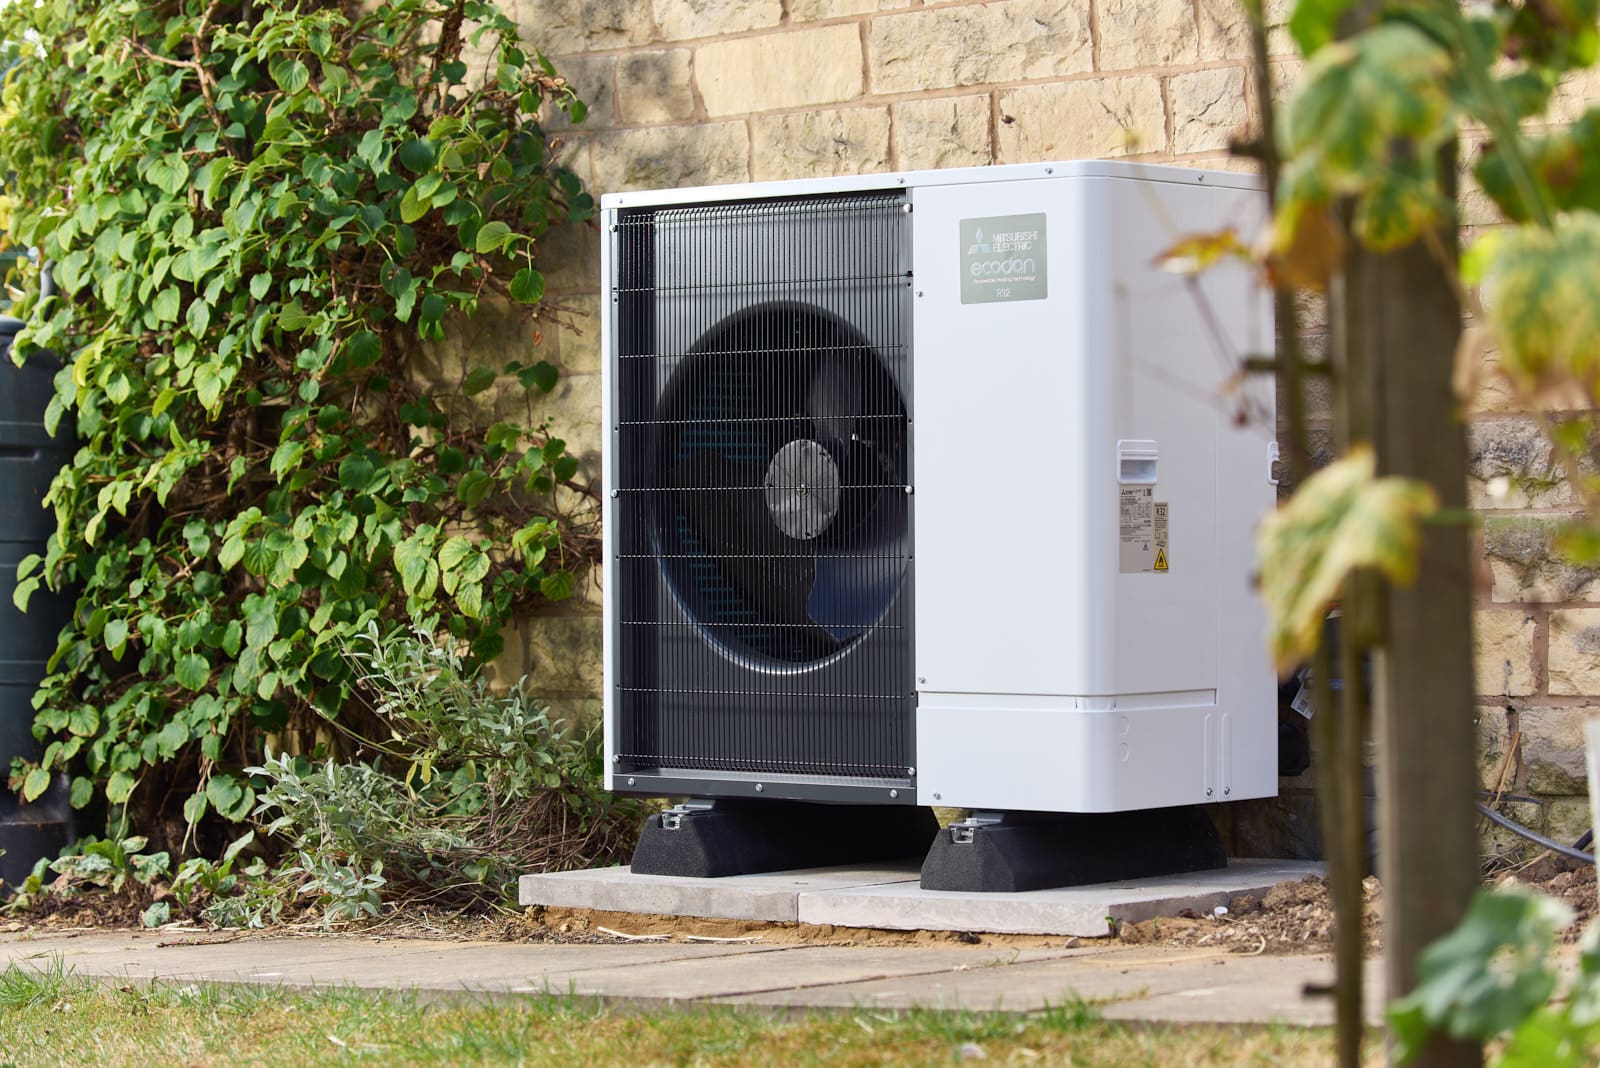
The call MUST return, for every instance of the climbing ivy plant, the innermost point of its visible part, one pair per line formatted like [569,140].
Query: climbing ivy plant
[257,213]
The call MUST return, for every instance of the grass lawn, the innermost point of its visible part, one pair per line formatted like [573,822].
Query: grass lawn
[50,1018]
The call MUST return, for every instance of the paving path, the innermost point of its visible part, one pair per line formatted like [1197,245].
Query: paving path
[1141,983]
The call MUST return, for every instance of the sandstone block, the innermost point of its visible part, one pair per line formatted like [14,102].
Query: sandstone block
[946,132]
[1493,738]
[591,77]
[654,86]
[812,143]
[1525,565]
[780,70]
[1553,750]
[1566,818]
[681,20]
[573,409]
[656,157]
[1148,33]
[1224,33]
[1088,119]
[813,10]
[559,653]
[562,27]
[979,44]
[1209,109]
[1577,92]
[1511,465]
[1574,663]
[569,257]
[578,334]
[1503,643]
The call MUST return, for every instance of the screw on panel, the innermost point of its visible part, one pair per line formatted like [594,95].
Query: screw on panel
[894,794]
[613,227]
[937,797]
[921,680]
[1208,791]
[759,788]
[919,292]
[630,780]
[1049,170]
[911,773]
[908,489]
[1226,790]
[617,759]
[616,493]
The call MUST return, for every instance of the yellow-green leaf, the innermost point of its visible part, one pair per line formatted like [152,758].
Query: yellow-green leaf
[1343,518]
[1542,298]
[1367,116]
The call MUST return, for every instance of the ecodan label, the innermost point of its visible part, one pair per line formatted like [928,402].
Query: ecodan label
[1003,258]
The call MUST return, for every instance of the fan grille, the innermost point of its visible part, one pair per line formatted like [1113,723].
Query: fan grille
[762,527]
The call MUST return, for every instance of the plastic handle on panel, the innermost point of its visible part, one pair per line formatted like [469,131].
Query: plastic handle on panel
[1274,454]
[1137,462]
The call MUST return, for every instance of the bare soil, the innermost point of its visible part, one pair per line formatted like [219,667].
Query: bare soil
[1292,918]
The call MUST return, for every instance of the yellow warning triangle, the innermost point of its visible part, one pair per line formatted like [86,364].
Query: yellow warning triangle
[1161,559]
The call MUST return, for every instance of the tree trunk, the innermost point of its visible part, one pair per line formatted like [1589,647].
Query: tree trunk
[1402,311]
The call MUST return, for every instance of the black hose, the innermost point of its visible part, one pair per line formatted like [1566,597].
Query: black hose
[1534,836]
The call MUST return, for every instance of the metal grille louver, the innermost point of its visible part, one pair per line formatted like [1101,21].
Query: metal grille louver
[762,524]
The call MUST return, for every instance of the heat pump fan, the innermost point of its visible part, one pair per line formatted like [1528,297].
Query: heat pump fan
[780,451]
[921,491]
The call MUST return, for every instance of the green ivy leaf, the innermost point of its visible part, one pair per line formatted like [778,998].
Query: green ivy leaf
[478,380]
[492,236]
[417,154]
[167,304]
[527,286]
[474,487]
[413,206]
[558,585]
[192,671]
[35,784]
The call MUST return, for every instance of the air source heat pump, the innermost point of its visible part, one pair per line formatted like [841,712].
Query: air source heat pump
[932,490]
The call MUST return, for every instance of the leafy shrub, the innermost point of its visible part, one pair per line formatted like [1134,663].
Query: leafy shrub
[463,790]
[256,212]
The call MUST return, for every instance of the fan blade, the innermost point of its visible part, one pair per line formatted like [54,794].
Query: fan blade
[833,399]
[851,593]
[723,502]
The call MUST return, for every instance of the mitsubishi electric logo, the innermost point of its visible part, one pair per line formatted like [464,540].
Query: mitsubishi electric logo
[1004,260]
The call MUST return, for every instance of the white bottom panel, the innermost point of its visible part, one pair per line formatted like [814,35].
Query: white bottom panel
[1085,754]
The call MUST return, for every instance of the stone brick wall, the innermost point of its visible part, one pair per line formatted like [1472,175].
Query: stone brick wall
[691,92]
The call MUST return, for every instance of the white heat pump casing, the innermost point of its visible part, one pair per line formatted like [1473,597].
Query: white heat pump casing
[1051,673]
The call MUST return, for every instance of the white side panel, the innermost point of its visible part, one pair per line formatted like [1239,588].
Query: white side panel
[1037,627]
[1002,400]
[1052,755]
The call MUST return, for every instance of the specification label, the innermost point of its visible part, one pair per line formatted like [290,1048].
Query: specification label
[1143,531]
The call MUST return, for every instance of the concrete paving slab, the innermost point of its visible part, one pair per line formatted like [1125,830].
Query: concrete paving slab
[350,961]
[771,896]
[1148,983]
[1270,990]
[1150,986]
[793,973]
[1079,910]
[892,898]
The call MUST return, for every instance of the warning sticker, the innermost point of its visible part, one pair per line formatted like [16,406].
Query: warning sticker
[1142,531]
